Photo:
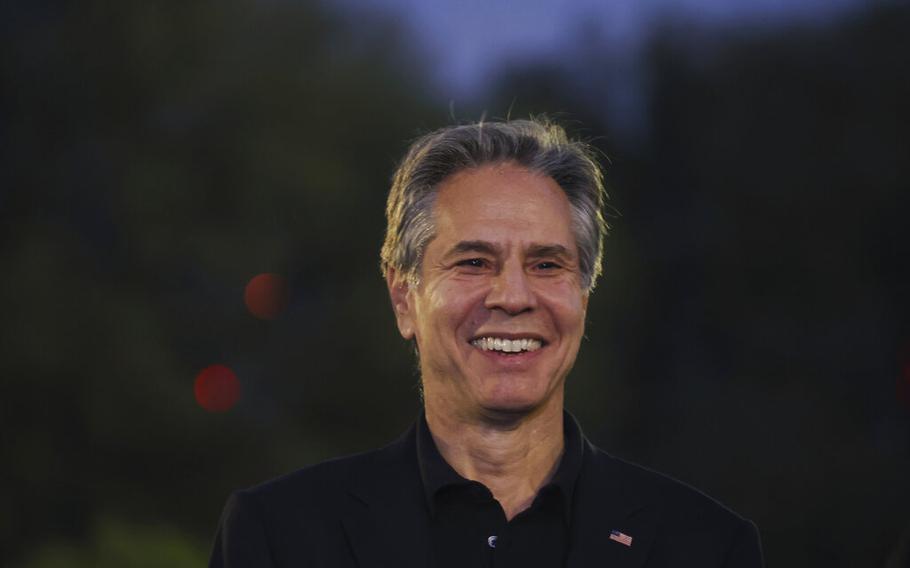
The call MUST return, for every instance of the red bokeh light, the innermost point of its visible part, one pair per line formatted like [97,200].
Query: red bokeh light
[266,295]
[217,388]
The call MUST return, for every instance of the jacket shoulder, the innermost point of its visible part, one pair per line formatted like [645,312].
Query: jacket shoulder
[689,528]
[677,500]
[295,519]
[318,484]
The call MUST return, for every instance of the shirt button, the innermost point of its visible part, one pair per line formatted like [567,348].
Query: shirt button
[491,540]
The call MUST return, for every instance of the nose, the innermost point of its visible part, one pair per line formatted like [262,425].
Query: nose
[511,291]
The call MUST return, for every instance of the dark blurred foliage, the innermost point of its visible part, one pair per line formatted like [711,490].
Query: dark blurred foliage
[159,156]
[747,335]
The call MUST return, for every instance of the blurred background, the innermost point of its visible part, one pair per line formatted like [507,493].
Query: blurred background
[191,208]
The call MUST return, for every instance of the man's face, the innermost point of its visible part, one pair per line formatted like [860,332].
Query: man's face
[499,312]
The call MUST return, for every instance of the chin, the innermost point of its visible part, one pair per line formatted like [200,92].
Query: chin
[511,406]
[524,392]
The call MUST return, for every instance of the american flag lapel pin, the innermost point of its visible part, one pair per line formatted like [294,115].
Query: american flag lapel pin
[621,538]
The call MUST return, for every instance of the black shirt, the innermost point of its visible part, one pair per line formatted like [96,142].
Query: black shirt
[468,528]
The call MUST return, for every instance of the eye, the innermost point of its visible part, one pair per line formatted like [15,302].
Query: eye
[547,265]
[472,262]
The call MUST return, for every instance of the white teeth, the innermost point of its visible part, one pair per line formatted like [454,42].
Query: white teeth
[506,345]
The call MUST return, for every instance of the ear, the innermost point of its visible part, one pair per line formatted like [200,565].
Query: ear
[402,302]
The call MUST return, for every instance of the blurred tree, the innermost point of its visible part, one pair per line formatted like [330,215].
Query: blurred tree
[156,158]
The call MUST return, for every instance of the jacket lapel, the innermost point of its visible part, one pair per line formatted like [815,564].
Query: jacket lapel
[606,501]
[386,521]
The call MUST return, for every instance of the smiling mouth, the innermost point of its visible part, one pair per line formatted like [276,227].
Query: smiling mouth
[507,346]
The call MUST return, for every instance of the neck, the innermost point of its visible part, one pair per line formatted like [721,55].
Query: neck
[513,455]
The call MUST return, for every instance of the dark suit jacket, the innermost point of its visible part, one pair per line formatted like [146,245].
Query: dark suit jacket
[369,511]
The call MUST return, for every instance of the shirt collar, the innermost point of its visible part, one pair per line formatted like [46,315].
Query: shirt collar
[436,473]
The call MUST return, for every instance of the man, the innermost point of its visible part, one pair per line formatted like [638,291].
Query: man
[493,245]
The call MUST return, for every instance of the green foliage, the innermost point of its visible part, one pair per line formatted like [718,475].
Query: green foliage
[117,544]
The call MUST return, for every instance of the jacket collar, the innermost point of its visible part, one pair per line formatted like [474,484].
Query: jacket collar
[436,473]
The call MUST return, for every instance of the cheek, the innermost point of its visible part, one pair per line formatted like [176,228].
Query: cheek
[457,299]
[447,310]
[569,313]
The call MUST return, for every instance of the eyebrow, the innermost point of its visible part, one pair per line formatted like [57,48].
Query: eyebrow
[554,250]
[486,247]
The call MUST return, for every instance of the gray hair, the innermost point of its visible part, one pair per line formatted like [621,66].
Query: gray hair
[539,145]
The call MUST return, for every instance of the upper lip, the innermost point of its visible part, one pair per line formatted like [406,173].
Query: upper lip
[507,335]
